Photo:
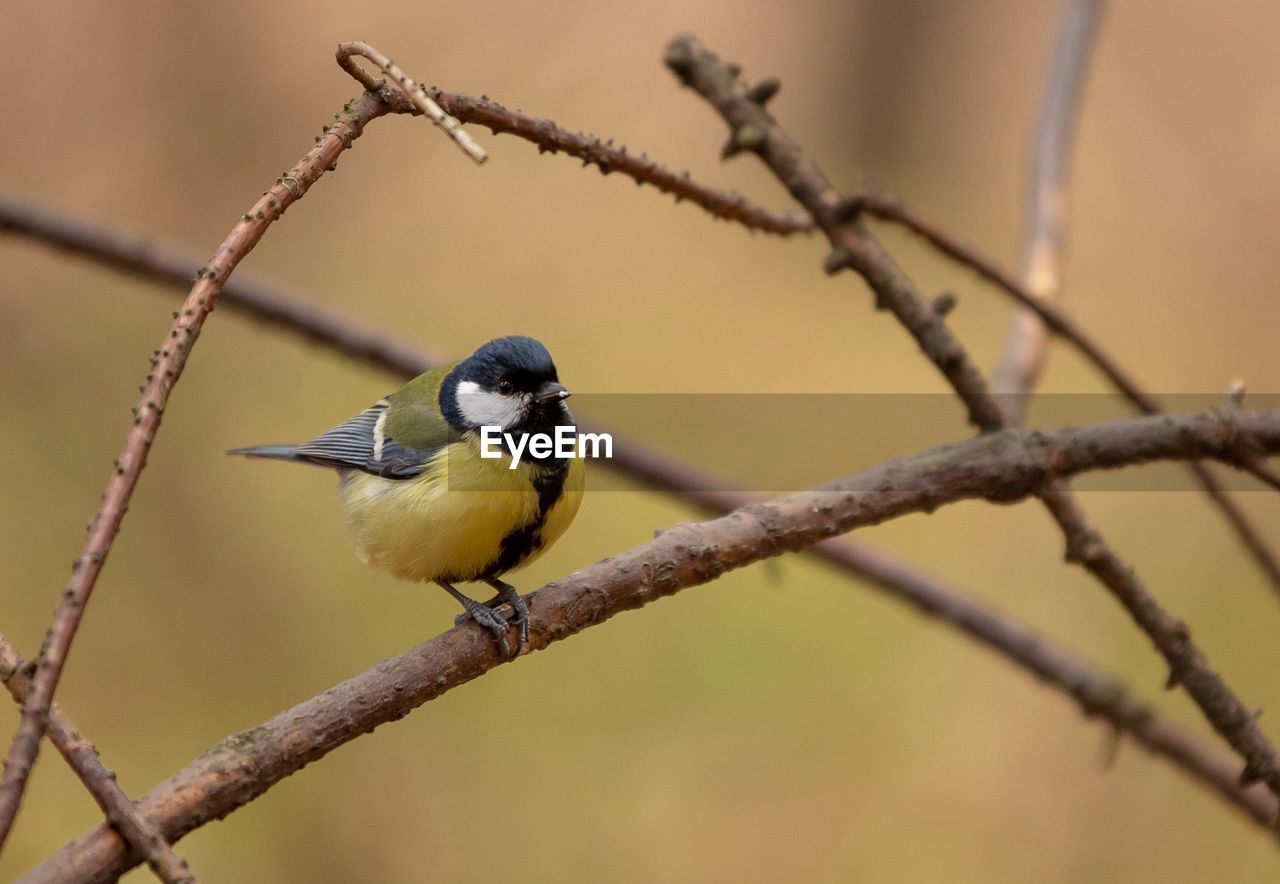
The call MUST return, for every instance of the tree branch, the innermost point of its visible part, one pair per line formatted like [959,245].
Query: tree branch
[409,88]
[374,348]
[1061,324]
[1097,694]
[167,364]
[551,138]
[753,128]
[100,782]
[1025,346]
[1000,467]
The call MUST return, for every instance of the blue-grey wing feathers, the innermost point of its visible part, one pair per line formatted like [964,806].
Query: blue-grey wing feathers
[361,444]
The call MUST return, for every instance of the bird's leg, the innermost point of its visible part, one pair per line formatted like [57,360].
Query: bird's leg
[508,594]
[484,615]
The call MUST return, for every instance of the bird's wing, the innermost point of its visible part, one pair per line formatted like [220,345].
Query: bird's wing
[364,443]
[395,438]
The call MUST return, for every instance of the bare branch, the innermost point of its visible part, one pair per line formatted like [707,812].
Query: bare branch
[1060,323]
[101,783]
[753,129]
[1053,316]
[551,138]
[853,247]
[173,265]
[502,111]
[1000,467]
[167,364]
[410,88]
[1097,694]
[1025,347]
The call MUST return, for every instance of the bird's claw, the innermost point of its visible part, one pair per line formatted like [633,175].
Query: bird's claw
[492,621]
[507,595]
[521,610]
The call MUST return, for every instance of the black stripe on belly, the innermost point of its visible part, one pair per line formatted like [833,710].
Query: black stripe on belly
[524,542]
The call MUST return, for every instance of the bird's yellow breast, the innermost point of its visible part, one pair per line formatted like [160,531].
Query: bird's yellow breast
[450,523]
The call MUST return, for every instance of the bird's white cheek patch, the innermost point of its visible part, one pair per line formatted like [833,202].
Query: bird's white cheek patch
[484,408]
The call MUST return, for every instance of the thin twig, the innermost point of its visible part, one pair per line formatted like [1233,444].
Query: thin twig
[1097,694]
[1264,473]
[1026,344]
[1000,467]
[1025,347]
[1053,316]
[167,364]
[121,813]
[1025,351]
[411,90]
[1187,665]
[1025,354]
[1060,323]
[551,138]
[754,129]
[607,158]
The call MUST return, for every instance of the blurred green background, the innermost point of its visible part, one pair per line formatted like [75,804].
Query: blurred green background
[780,722]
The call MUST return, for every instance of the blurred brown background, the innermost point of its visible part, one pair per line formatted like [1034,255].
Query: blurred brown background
[781,722]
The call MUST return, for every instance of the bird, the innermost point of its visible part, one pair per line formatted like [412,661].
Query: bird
[421,502]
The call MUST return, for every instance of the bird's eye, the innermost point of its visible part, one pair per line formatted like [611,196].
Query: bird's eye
[505,388]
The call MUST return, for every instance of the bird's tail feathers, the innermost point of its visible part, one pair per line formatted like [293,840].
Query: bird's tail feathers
[271,452]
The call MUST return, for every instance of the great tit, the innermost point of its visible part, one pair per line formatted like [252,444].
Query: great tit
[420,501]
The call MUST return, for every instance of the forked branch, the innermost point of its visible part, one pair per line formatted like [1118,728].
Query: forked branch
[82,757]
[854,248]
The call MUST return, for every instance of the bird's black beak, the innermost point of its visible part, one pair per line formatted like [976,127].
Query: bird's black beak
[551,392]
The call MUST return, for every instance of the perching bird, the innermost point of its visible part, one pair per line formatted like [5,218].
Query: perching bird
[422,504]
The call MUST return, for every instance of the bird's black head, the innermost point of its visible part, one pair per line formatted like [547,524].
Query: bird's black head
[509,383]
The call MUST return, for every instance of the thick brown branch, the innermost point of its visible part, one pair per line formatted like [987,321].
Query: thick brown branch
[167,364]
[1097,694]
[1025,348]
[100,782]
[752,126]
[1000,467]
